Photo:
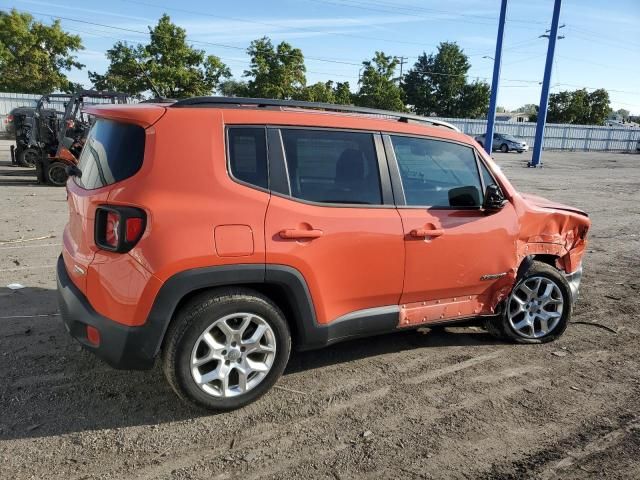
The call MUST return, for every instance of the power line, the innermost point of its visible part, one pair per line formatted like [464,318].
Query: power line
[130,30]
[320,59]
[271,24]
[420,12]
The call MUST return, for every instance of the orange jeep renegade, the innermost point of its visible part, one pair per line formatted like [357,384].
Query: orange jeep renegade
[218,233]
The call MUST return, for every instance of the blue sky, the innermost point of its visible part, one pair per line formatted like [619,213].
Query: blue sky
[601,47]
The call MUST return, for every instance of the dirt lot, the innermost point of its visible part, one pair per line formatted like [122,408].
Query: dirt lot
[453,404]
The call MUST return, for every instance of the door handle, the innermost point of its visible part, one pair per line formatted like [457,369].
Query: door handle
[423,232]
[298,233]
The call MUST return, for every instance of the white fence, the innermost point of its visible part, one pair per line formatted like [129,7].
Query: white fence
[559,136]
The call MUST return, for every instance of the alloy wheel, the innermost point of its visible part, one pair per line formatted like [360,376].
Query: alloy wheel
[233,355]
[535,307]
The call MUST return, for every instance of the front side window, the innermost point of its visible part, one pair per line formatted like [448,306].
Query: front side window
[248,155]
[435,173]
[332,166]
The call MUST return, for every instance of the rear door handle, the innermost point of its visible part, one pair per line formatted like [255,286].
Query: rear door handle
[423,232]
[298,233]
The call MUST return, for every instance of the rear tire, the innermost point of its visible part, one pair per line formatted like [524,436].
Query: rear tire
[211,356]
[540,316]
[57,174]
[504,148]
[28,157]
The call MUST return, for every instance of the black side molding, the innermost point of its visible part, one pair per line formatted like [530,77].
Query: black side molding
[136,347]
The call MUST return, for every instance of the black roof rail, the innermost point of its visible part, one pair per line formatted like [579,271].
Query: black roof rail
[227,102]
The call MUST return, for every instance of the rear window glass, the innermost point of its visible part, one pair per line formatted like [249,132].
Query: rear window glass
[248,155]
[113,152]
[332,166]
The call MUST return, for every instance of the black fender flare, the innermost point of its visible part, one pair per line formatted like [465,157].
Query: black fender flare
[524,267]
[178,286]
[309,333]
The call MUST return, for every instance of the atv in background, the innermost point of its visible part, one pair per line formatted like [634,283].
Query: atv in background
[51,165]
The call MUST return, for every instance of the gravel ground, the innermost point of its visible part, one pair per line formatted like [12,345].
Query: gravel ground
[452,404]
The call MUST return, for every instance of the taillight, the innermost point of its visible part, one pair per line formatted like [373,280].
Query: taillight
[111,229]
[9,118]
[133,229]
[118,229]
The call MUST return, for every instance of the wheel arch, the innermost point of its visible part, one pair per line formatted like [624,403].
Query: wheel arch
[284,285]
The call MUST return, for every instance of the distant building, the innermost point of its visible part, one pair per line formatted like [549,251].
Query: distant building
[514,117]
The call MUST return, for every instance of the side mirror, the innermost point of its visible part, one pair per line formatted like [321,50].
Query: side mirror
[493,198]
[73,171]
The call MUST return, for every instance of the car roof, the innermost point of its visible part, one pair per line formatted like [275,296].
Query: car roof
[145,114]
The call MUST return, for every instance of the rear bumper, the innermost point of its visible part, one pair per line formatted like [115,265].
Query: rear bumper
[120,346]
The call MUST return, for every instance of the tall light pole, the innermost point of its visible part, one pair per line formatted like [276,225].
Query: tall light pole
[546,83]
[493,102]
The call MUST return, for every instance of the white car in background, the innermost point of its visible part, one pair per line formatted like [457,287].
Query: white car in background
[505,143]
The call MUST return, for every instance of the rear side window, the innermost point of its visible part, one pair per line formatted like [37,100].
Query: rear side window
[332,166]
[248,155]
[437,174]
[113,152]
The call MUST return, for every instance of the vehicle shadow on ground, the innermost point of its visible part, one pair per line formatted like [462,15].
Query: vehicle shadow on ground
[51,386]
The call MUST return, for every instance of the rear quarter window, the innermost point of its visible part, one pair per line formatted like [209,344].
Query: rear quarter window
[112,152]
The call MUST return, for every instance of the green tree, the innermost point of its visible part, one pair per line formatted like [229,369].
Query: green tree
[437,84]
[377,86]
[579,107]
[343,94]
[326,92]
[33,55]
[600,106]
[274,72]
[175,68]
[528,108]
[234,88]
[623,113]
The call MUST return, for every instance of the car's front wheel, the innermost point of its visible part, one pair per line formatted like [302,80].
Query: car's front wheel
[226,348]
[538,308]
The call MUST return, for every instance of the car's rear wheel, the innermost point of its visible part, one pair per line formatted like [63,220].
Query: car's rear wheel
[226,348]
[57,174]
[538,308]
[504,148]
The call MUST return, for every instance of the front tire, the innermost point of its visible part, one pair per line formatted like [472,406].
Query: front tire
[57,174]
[28,157]
[538,308]
[226,348]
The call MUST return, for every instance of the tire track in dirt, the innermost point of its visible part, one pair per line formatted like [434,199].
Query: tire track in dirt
[261,438]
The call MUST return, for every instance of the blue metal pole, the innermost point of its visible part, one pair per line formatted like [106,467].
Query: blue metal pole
[497,60]
[546,84]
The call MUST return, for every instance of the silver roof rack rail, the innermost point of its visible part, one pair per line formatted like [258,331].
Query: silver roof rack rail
[230,102]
